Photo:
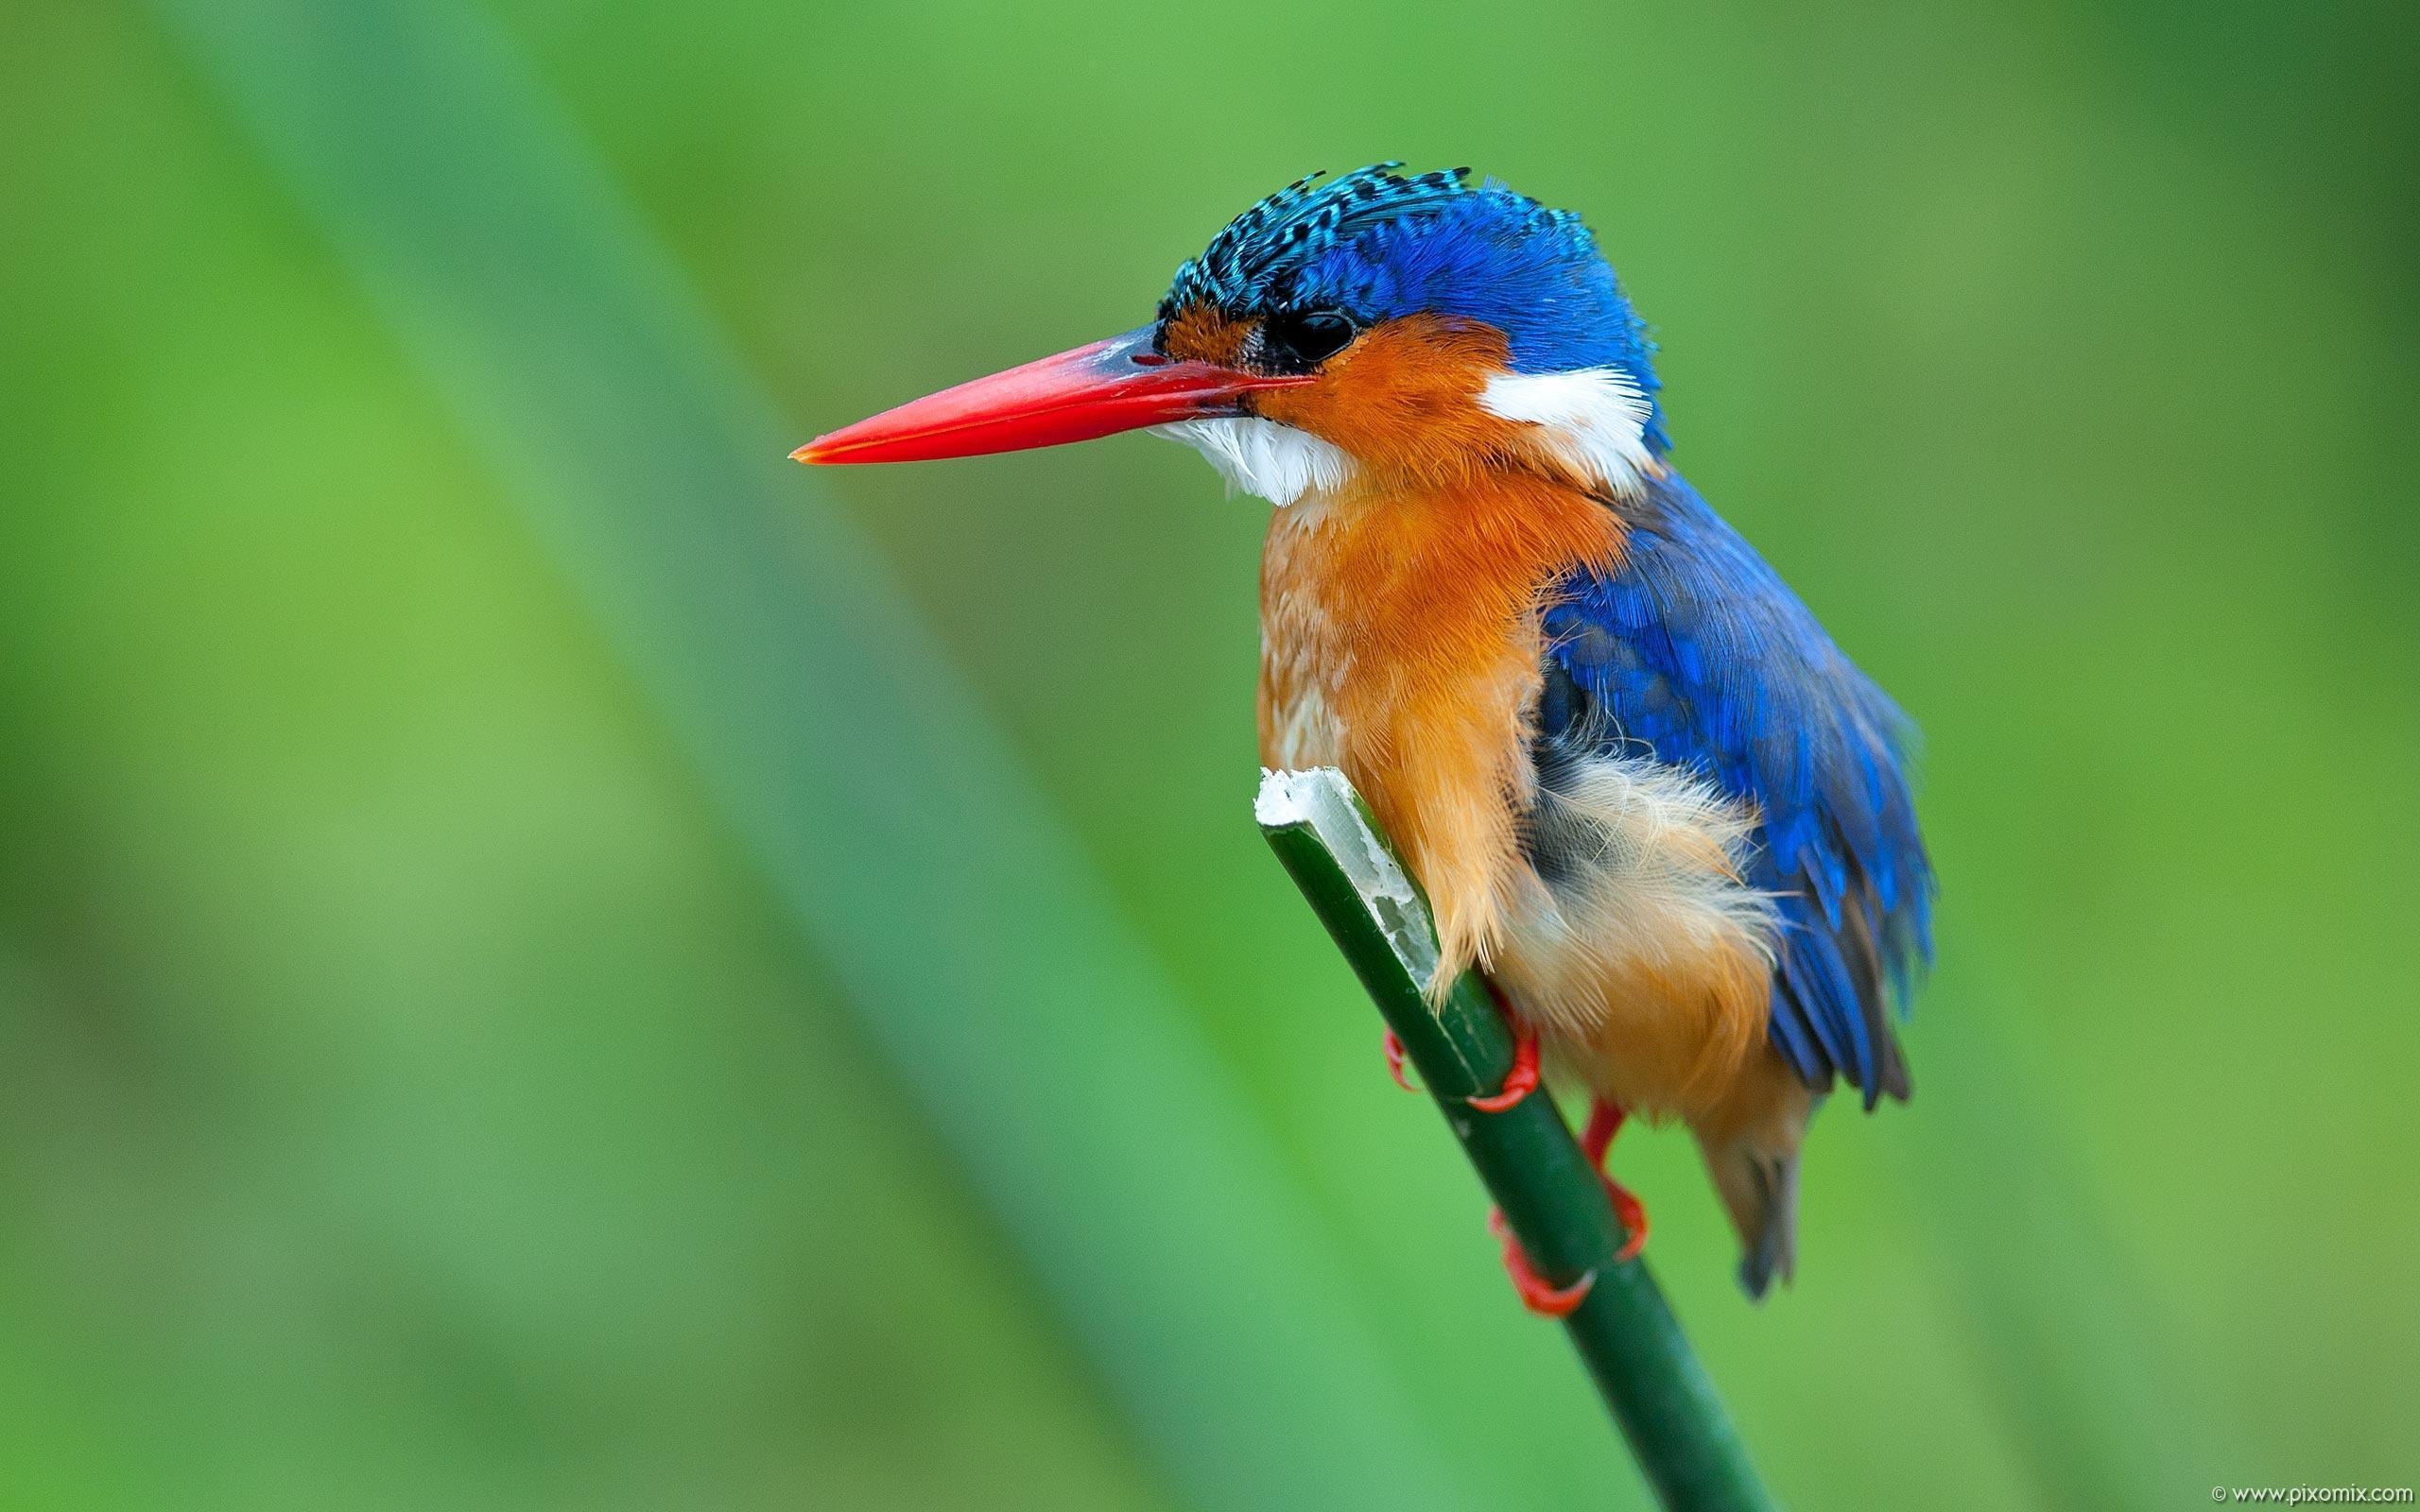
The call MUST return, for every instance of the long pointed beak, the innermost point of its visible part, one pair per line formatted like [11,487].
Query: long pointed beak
[1117,384]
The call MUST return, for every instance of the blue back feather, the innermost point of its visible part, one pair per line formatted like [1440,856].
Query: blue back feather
[1695,650]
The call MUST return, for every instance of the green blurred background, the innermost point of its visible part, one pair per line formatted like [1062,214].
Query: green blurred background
[548,959]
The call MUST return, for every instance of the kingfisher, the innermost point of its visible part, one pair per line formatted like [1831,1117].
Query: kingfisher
[1646,793]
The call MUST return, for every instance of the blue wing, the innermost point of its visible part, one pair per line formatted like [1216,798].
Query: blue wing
[1696,649]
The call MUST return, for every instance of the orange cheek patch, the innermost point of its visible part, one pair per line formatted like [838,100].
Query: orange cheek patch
[1201,333]
[1404,399]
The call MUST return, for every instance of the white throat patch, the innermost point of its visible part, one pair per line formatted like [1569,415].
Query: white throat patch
[1264,459]
[1593,420]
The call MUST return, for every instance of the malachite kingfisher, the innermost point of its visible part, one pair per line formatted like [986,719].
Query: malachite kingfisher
[1645,791]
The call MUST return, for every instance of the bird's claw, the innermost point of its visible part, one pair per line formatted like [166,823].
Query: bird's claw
[1393,1045]
[1632,1213]
[1537,1294]
[1604,1122]
[1518,1083]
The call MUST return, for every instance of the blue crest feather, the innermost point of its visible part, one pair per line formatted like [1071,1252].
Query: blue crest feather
[1254,264]
[1377,245]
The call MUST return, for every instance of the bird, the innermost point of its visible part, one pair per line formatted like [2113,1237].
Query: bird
[1646,793]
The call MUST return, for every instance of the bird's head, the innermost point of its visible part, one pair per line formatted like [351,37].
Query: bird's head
[1373,328]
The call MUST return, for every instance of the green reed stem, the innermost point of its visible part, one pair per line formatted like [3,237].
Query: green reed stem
[1685,1441]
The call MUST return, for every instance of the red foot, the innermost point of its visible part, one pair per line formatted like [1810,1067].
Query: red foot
[1537,1294]
[1519,1082]
[1604,1122]
[1632,1213]
[1395,1061]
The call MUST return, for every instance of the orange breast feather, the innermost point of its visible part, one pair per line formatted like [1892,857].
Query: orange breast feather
[1401,642]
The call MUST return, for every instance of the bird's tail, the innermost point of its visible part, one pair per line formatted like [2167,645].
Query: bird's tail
[1759,1186]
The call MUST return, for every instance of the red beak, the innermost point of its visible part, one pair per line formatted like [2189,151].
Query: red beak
[1117,384]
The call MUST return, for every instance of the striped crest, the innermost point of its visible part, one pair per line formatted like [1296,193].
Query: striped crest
[1251,266]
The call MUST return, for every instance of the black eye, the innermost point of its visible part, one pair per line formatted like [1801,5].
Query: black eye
[1299,341]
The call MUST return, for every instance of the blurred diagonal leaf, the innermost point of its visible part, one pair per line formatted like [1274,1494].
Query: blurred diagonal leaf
[881,805]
